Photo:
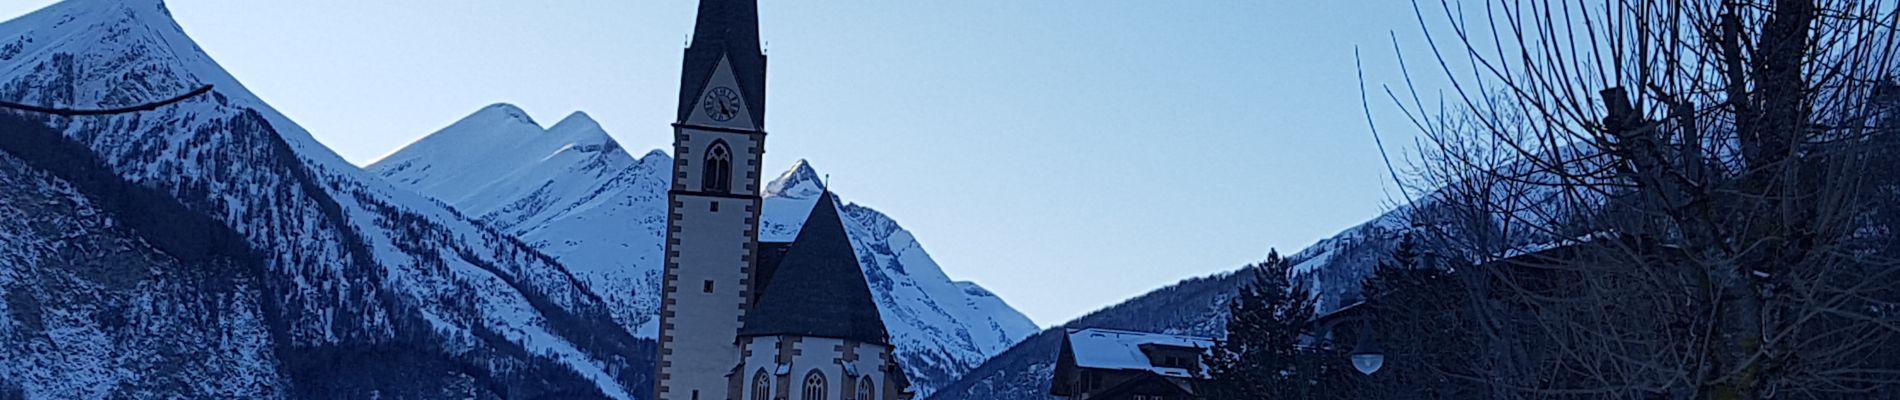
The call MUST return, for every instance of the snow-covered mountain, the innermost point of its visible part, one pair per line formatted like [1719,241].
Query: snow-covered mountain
[365,290]
[571,191]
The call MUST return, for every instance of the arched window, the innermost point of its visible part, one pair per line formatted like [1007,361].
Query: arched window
[865,390]
[761,385]
[814,386]
[718,168]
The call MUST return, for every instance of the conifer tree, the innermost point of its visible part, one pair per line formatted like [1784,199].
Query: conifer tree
[1262,356]
[1412,297]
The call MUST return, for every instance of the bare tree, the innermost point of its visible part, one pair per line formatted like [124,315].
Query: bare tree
[1678,199]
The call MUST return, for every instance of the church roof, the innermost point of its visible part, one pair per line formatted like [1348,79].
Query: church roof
[818,290]
[770,254]
[727,28]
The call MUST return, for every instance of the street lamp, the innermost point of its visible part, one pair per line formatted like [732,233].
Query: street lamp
[1367,357]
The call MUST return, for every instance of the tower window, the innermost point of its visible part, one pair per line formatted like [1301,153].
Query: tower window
[715,206]
[709,286]
[717,173]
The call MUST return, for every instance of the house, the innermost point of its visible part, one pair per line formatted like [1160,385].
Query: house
[1108,364]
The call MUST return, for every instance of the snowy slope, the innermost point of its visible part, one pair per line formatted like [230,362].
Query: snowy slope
[603,213]
[361,273]
[97,305]
[604,218]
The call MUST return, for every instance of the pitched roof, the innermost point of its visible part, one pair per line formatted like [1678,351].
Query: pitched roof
[770,254]
[728,28]
[1122,350]
[818,289]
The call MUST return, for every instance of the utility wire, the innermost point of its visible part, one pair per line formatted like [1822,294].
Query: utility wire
[69,112]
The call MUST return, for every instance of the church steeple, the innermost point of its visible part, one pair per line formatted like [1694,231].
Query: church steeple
[712,222]
[729,30]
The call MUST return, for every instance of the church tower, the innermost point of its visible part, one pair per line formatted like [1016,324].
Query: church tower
[712,234]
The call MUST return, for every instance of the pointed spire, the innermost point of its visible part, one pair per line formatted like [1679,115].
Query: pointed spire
[818,289]
[729,23]
[727,29]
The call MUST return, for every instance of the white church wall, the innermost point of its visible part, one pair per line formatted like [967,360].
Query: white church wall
[821,355]
[706,301]
[760,355]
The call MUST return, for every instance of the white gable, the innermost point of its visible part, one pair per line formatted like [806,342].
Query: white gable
[721,78]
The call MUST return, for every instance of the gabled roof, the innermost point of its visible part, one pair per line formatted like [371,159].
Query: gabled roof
[818,290]
[725,28]
[1099,348]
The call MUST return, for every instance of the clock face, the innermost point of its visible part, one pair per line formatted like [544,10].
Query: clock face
[722,103]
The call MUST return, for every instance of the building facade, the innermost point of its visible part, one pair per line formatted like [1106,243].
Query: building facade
[727,331]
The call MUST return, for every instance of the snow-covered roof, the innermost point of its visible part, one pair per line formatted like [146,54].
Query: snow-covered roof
[1117,349]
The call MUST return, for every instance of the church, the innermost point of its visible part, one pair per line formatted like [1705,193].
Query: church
[741,319]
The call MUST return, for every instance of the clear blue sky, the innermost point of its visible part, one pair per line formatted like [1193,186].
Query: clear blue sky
[1066,154]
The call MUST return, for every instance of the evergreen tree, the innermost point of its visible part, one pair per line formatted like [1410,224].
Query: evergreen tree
[1262,356]
[1411,297]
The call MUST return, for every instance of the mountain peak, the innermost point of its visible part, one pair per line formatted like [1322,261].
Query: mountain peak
[580,129]
[578,121]
[801,181]
[502,112]
[657,158]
